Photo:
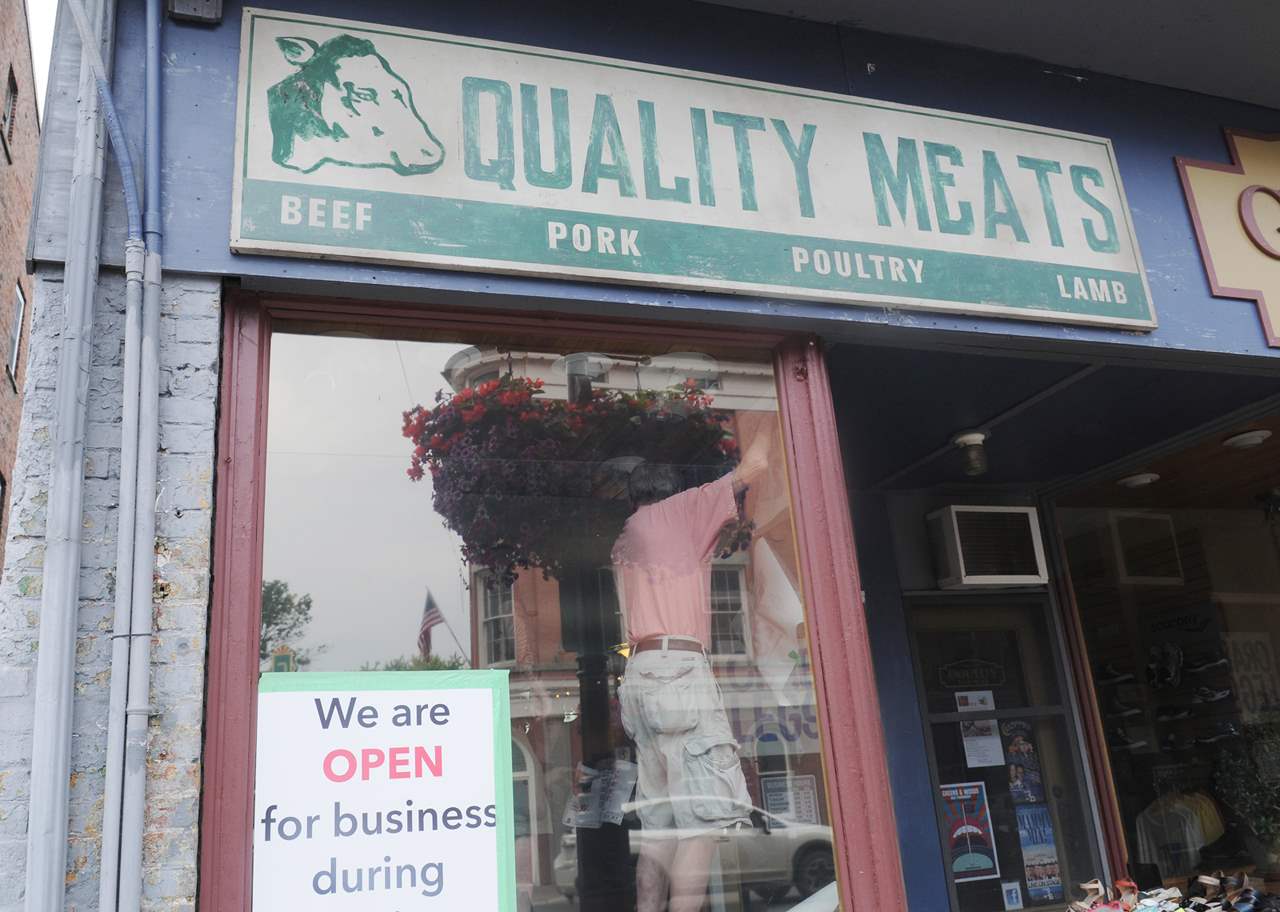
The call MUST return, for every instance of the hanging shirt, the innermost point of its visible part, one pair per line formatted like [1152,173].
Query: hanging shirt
[662,562]
[1170,836]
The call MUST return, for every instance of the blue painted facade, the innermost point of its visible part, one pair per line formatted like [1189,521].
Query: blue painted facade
[1148,126]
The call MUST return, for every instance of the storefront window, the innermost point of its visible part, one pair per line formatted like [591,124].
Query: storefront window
[618,536]
[1178,587]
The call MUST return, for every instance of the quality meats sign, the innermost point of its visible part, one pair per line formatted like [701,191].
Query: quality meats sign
[382,144]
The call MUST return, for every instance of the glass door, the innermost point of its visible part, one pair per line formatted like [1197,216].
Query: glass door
[1008,785]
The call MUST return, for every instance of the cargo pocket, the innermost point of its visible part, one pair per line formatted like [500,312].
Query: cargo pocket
[713,778]
[669,704]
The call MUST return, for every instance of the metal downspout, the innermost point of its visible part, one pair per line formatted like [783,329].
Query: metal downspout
[121,633]
[138,711]
[59,601]
[109,866]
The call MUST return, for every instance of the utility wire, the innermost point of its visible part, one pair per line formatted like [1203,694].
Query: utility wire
[409,393]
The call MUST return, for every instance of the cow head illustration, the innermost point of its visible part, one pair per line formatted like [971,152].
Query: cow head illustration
[345,105]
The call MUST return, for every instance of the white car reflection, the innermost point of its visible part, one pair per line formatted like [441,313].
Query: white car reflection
[773,854]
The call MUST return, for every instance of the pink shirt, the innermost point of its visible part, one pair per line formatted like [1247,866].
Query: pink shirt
[662,562]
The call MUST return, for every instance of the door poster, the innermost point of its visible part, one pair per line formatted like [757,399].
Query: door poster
[378,790]
[1026,786]
[975,701]
[967,828]
[1011,892]
[1039,853]
[981,743]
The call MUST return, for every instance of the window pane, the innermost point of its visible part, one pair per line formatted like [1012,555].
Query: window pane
[1181,614]
[15,333]
[615,536]
[1003,649]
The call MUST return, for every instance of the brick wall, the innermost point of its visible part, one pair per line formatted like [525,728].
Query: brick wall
[18,154]
[189,369]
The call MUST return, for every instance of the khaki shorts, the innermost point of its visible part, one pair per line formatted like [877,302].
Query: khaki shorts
[671,708]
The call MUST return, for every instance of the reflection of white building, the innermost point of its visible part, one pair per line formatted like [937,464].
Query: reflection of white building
[757,645]
[736,385]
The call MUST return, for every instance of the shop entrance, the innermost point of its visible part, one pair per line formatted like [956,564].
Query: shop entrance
[1000,734]
[956,461]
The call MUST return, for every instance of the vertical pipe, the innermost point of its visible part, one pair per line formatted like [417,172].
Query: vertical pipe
[108,877]
[59,602]
[138,709]
[152,225]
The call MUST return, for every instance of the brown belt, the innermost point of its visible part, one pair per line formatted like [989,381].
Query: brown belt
[681,644]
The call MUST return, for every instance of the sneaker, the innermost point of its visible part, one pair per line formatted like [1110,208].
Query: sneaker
[1172,713]
[1154,675]
[1118,709]
[1120,741]
[1206,662]
[1210,695]
[1220,732]
[1172,655]
[1109,674]
[1164,665]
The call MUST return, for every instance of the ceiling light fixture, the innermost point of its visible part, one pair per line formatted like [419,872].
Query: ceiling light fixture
[1140,480]
[972,446]
[1247,440]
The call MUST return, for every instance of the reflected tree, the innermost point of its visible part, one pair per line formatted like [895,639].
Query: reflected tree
[285,617]
[416,663]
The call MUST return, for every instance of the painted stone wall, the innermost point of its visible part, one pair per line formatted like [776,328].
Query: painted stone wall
[189,374]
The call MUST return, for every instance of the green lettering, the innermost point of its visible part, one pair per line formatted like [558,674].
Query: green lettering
[702,157]
[1110,241]
[531,133]
[501,168]
[605,131]
[653,188]
[907,180]
[1043,167]
[1001,211]
[741,124]
[939,181]
[799,160]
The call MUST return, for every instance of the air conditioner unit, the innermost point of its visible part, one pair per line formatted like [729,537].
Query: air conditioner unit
[987,546]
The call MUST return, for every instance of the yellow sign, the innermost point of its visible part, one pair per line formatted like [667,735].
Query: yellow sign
[1236,211]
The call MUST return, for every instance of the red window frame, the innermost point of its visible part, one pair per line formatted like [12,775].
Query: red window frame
[867,861]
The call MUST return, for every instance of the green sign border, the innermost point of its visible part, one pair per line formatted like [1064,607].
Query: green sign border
[1061,311]
[494,680]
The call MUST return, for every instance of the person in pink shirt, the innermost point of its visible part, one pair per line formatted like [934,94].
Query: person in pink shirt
[671,705]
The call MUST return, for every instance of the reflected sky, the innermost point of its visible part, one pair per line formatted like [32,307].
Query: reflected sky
[344,523]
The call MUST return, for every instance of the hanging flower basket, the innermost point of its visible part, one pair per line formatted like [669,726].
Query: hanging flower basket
[532,482]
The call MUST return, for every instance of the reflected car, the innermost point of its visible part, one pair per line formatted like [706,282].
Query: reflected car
[774,855]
